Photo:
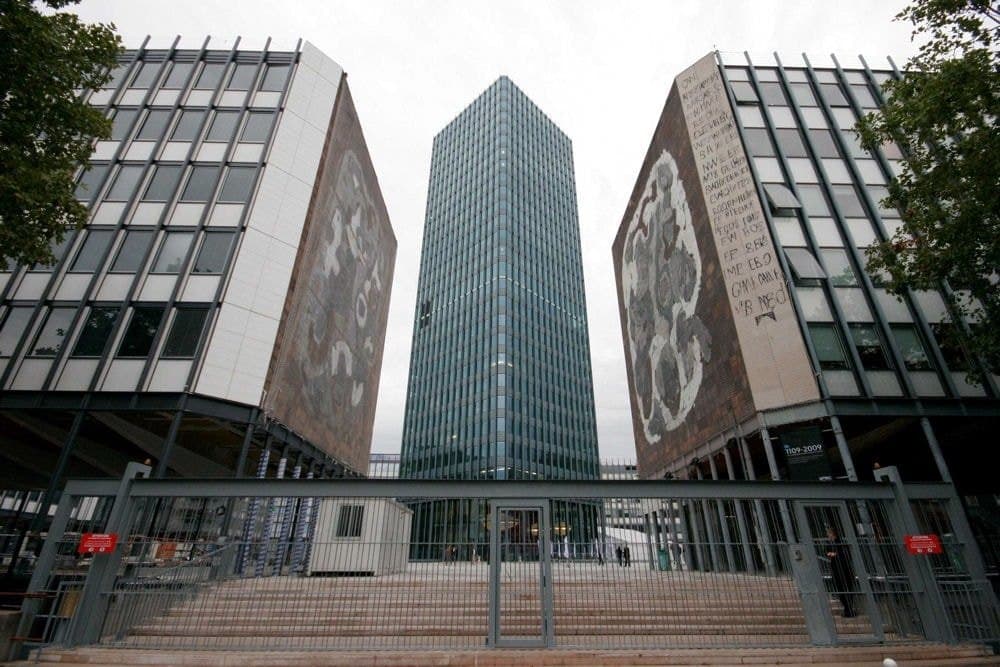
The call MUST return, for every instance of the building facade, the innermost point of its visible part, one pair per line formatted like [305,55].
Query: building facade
[500,381]
[757,344]
[229,294]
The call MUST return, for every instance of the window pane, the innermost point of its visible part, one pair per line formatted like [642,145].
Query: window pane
[213,253]
[758,143]
[870,348]
[223,125]
[257,127]
[791,143]
[96,332]
[92,252]
[187,125]
[90,182]
[847,199]
[780,197]
[881,193]
[274,78]
[772,94]
[132,252]
[14,324]
[210,76]
[201,184]
[242,77]
[141,330]
[184,333]
[803,264]
[829,350]
[122,123]
[813,200]
[146,75]
[349,521]
[50,339]
[239,182]
[823,142]
[172,252]
[164,183]
[117,75]
[803,94]
[154,125]
[949,341]
[125,183]
[744,91]
[864,97]
[839,268]
[178,75]
[833,94]
[58,249]
[911,347]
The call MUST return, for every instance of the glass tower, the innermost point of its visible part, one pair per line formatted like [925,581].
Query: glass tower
[500,382]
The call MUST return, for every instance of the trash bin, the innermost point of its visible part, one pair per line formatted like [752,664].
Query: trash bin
[664,561]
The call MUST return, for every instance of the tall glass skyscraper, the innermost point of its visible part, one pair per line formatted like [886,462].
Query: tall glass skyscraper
[500,382]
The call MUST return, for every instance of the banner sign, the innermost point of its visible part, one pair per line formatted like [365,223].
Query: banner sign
[97,543]
[923,544]
[806,454]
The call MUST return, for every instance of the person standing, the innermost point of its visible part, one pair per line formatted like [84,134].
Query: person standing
[840,568]
[619,555]
[627,553]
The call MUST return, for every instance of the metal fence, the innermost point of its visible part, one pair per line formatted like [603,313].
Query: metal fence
[341,564]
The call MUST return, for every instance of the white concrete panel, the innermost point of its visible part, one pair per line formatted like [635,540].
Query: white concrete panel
[322,63]
[245,388]
[100,98]
[199,98]
[232,98]
[301,91]
[266,99]
[157,288]
[31,374]
[77,374]
[840,383]
[108,213]
[254,357]
[932,305]
[261,328]
[200,288]
[175,151]
[170,375]
[926,383]
[224,350]
[884,383]
[267,204]
[115,287]
[132,98]
[123,375]
[247,152]
[165,98]
[186,214]
[73,286]
[321,104]
[213,380]
[104,150]
[211,152]
[225,215]
[32,286]
[232,319]
[308,153]
[139,150]
[147,213]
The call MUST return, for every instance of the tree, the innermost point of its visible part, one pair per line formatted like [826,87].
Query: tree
[46,130]
[944,114]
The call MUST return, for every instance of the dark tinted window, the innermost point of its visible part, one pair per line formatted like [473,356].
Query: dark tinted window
[911,347]
[184,333]
[117,76]
[121,124]
[257,127]
[187,125]
[141,331]
[210,76]
[163,184]
[172,252]
[772,94]
[133,250]
[213,253]
[92,252]
[53,333]
[829,349]
[96,332]
[14,323]
[200,184]
[59,249]
[126,181]
[90,182]
[223,126]
[154,125]
[146,75]
[239,182]
[178,75]
[758,143]
[949,340]
[274,77]
[242,77]
[870,349]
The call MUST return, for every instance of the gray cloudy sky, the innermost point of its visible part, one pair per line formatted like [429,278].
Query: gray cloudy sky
[600,70]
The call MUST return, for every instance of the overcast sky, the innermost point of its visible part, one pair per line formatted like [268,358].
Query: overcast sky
[600,70]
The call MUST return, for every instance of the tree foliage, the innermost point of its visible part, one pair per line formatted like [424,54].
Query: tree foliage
[944,113]
[46,131]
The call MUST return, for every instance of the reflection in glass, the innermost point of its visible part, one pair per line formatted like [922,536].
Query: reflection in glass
[50,339]
[184,333]
[172,252]
[141,331]
[96,332]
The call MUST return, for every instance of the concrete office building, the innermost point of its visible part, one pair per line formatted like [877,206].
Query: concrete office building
[500,381]
[757,344]
[229,293]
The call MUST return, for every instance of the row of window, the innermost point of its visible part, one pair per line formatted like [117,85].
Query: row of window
[873,352]
[96,332]
[256,125]
[238,76]
[199,185]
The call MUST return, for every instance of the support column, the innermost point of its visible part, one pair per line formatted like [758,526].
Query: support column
[772,463]
[845,451]
[168,442]
[760,516]
[713,539]
[935,447]
[723,522]
[751,564]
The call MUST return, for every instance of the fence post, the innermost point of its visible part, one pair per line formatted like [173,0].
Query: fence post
[43,570]
[926,593]
[89,618]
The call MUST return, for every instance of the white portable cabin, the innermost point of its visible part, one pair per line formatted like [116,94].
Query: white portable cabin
[360,537]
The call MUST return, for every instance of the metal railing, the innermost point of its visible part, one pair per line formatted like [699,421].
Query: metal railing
[373,564]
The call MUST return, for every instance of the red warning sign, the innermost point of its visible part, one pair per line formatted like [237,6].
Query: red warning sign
[97,543]
[922,544]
